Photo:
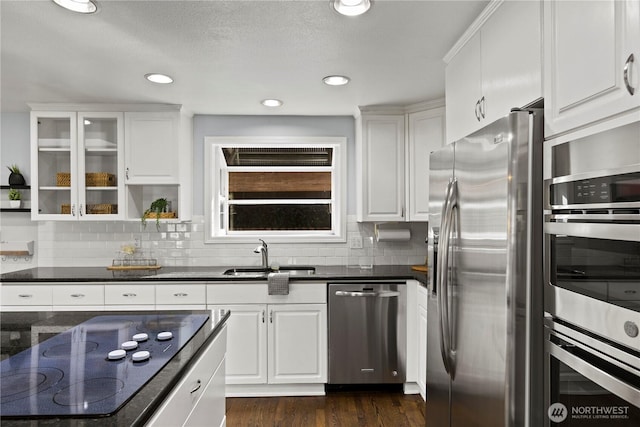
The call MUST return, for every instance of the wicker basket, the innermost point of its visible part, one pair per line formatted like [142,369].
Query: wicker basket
[162,215]
[99,209]
[63,179]
[91,179]
[99,179]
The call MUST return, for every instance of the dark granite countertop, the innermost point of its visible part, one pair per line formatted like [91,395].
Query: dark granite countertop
[20,328]
[209,274]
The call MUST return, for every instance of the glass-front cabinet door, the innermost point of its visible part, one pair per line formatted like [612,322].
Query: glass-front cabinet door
[100,162]
[76,165]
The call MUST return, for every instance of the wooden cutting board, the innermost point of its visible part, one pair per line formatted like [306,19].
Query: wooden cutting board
[133,267]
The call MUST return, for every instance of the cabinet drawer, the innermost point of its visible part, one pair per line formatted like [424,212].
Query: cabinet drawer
[185,396]
[257,293]
[25,295]
[129,294]
[181,293]
[78,295]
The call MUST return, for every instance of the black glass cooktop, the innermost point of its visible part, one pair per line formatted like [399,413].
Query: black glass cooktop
[93,368]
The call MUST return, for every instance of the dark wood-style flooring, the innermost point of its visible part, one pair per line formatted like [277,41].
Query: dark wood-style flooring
[337,408]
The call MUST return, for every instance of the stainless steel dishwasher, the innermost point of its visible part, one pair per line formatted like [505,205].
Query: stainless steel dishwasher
[367,332]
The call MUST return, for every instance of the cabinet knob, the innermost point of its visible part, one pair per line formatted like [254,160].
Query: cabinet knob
[126,173]
[77,295]
[627,83]
[180,294]
[129,295]
[25,296]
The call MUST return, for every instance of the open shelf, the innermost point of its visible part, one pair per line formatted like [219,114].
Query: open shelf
[17,187]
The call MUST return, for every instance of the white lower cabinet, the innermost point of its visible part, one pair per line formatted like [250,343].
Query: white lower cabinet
[422,340]
[130,296]
[21,297]
[181,296]
[297,343]
[247,344]
[277,345]
[78,297]
[199,398]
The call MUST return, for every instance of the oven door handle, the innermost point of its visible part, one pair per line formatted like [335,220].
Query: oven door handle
[595,374]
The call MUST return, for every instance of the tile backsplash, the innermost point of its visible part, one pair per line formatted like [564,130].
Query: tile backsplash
[96,244]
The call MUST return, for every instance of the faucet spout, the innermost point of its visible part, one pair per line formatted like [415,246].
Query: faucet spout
[264,250]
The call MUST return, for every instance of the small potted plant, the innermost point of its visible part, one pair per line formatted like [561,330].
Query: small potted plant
[15,177]
[155,210]
[14,198]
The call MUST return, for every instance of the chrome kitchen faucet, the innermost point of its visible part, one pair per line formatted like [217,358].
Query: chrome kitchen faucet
[264,250]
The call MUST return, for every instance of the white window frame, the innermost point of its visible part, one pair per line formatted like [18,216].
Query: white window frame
[214,186]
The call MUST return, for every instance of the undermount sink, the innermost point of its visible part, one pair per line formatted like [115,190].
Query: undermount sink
[246,271]
[293,270]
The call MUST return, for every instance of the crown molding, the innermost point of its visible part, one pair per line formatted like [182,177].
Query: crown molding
[473,29]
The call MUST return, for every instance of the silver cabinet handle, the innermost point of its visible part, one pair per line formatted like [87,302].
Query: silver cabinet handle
[80,210]
[198,385]
[126,173]
[77,295]
[482,102]
[263,316]
[477,110]
[627,65]
[355,294]
[271,316]
[25,296]
[129,295]
[73,209]
[383,294]
[180,295]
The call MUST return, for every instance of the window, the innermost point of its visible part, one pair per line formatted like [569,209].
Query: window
[280,188]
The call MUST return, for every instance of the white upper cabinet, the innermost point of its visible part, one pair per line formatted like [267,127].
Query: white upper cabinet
[494,67]
[425,135]
[153,148]
[380,153]
[592,62]
[392,155]
[109,161]
[464,90]
[77,163]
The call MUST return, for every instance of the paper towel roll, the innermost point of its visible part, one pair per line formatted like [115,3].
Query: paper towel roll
[393,235]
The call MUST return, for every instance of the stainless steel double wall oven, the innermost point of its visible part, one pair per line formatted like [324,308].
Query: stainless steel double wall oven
[592,275]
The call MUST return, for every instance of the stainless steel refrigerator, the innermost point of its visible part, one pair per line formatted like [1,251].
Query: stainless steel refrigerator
[484,343]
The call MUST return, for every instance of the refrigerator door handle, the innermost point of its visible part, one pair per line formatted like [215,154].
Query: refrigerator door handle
[443,282]
[451,223]
[439,280]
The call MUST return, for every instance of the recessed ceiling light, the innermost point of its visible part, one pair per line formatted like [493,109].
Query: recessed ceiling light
[158,78]
[351,7]
[271,102]
[336,80]
[80,6]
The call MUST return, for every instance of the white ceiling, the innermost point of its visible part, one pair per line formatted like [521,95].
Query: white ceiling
[226,56]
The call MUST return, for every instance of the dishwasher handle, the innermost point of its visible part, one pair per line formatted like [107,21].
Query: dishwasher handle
[383,294]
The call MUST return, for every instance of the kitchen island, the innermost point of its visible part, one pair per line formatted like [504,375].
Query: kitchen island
[24,330]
